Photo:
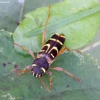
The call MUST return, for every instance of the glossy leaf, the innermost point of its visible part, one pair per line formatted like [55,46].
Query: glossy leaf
[78,20]
[27,87]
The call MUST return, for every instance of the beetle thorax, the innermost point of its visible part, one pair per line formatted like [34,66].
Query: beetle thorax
[40,66]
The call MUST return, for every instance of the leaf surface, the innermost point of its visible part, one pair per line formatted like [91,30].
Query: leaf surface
[78,20]
[27,87]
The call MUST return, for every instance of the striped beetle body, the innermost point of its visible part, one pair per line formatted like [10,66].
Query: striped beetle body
[47,54]
[52,47]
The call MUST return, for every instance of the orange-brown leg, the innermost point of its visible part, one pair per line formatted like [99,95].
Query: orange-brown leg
[44,32]
[61,69]
[62,50]
[44,84]
[20,72]
[50,80]
[65,48]
[49,73]
[29,51]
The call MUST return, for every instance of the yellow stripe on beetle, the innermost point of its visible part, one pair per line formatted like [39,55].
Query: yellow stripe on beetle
[34,65]
[52,55]
[41,50]
[52,39]
[53,48]
[48,45]
[56,41]
[60,35]
[43,70]
[59,42]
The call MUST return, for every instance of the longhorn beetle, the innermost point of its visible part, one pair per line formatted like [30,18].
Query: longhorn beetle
[46,56]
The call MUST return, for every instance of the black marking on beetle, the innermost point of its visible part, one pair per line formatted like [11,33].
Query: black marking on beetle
[40,63]
[47,54]
[52,46]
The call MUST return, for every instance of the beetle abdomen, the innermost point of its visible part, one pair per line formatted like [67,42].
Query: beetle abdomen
[40,66]
[52,47]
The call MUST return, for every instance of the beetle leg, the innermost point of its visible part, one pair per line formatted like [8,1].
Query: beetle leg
[50,80]
[65,48]
[44,84]
[61,69]
[29,51]
[20,72]
[62,50]
[44,32]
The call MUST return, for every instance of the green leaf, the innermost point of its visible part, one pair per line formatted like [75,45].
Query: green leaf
[78,20]
[27,87]
[66,21]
